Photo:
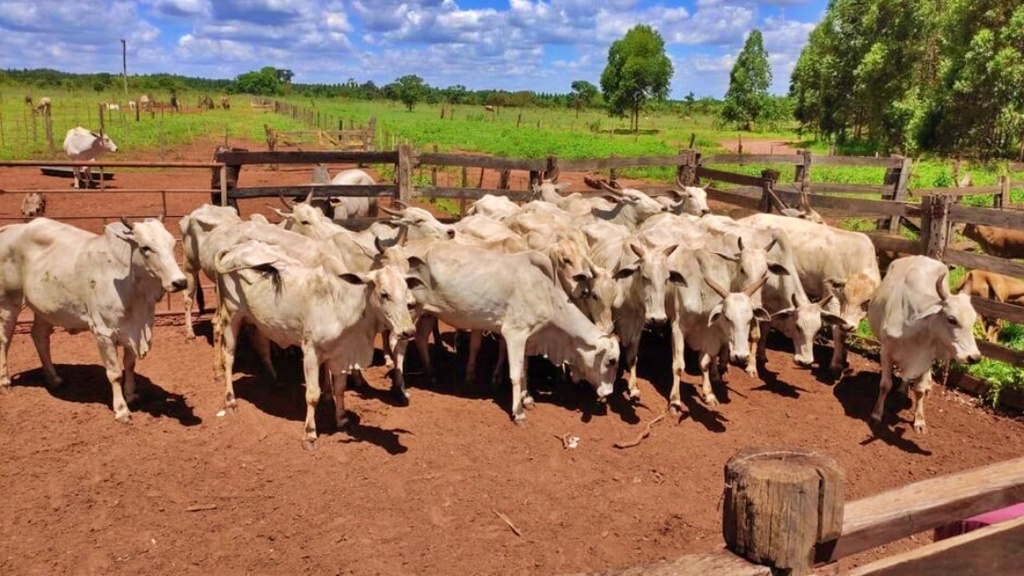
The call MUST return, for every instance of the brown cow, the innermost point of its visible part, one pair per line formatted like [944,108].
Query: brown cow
[993,287]
[1002,242]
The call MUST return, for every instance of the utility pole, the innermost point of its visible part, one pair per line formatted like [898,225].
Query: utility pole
[124,68]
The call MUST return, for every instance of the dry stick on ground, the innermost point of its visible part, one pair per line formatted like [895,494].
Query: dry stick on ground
[644,434]
[507,521]
[201,508]
[564,438]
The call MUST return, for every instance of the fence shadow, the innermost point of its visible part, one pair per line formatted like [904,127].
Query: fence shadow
[88,384]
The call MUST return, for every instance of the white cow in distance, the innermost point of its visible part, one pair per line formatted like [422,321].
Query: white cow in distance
[107,284]
[86,145]
[917,321]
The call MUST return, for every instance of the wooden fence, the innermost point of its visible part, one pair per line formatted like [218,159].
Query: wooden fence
[784,512]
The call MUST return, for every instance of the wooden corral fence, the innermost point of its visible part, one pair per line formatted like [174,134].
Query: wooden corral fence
[351,138]
[784,512]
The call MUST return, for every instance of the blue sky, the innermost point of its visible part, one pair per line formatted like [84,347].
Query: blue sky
[540,45]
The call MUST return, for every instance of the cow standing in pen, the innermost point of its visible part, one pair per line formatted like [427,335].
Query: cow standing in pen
[107,284]
[84,145]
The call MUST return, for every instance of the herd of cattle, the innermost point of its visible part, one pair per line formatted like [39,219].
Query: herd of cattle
[574,278]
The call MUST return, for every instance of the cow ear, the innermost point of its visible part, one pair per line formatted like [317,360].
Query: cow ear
[416,262]
[356,279]
[777,269]
[715,313]
[784,313]
[762,315]
[677,278]
[637,248]
[623,273]
[929,311]
[831,318]
[561,186]
[414,282]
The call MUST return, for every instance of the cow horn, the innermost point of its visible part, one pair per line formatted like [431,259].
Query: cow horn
[161,217]
[750,290]
[716,287]
[771,245]
[739,242]
[125,222]
[825,299]
[609,188]
[283,201]
[309,197]
[394,213]
[401,204]
[942,286]
[403,233]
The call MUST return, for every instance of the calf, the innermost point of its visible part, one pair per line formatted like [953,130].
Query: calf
[917,321]
[992,286]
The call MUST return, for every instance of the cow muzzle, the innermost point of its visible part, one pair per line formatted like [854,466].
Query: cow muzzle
[407,333]
[604,391]
[974,358]
[739,359]
[179,285]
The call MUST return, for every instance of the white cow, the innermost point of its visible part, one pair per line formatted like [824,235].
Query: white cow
[497,207]
[917,321]
[107,284]
[353,207]
[85,145]
[194,229]
[516,296]
[333,314]
[833,262]
[692,200]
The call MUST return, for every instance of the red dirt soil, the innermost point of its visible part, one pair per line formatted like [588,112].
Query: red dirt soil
[408,490]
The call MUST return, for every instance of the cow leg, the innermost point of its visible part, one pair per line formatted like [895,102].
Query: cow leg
[188,296]
[115,373]
[707,370]
[8,318]
[499,365]
[262,345]
[675,403]
[838,351]
[398,374]
[389,341]
[475,340]
[423,329]
[516,347]
[630,361]
[754,339]
[228,340]
[129,376]
[311,370]
[921,388]
[884,384]
[41,330]
[338,391]
[762,348]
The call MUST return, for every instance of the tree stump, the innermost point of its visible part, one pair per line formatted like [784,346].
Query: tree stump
[779,504]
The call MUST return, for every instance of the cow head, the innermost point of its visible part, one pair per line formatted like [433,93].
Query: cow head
[390,296]
[854,295]
[801,322]
[654,276]
[691,200]
[951,322]
[153,249]
[304,218]
[34,205]
[421,223]
[598,299]
[549,191]
[103,142]
[599,365]
[735,315]
[641,204]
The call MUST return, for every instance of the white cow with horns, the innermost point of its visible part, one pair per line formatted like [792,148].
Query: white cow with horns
[85,145]
[917,322]
[107,284]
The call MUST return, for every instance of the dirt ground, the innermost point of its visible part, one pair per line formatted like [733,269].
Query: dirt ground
[417,489]
[759,145]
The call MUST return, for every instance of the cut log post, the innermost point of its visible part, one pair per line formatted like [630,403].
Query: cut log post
[404,173]
[779,504]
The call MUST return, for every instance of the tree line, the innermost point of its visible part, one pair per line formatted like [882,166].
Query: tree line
[931,75]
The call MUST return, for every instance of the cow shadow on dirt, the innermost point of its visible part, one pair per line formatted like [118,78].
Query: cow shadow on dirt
[88,384]
[857,393]
[286,399]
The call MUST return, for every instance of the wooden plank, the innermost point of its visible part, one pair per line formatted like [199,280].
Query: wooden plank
[925,505]
[319,191]
[470,193]
[993,309]
[987,216]
[857,161]
[743,159]
[724,563]
[885,242]
[847,206]
[106,163]
[984,262]
[972,191]
[737,198]
[731,178]
[308,157]
[995,550]
[1001,353]
[477,161]
[584,165]
[830,188]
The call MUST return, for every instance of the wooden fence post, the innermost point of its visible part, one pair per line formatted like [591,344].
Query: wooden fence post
[802,173]
[1002,200]
[503,179]
[768,179]
[48,120]
[778,504]
[403,173]
[433,171]
[935,225]
[899,193]
[465,184]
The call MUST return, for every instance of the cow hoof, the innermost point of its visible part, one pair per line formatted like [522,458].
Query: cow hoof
[520,421]
[190,337]
[920,427]
[124,418]
[4,389]
[711,400]
[57,382]
[528,402]
[676,408]
[401,396]
[633,396]
[751,371]
[343,422]
[309,445]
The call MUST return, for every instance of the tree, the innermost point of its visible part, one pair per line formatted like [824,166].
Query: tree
[637,71]
[261,83]
[583,93]
[746,101]
[411,89]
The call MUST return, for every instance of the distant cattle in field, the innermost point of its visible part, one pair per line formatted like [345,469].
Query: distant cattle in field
[225,102]
[489,108]
[205,102]
[145,102]
[43,107]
